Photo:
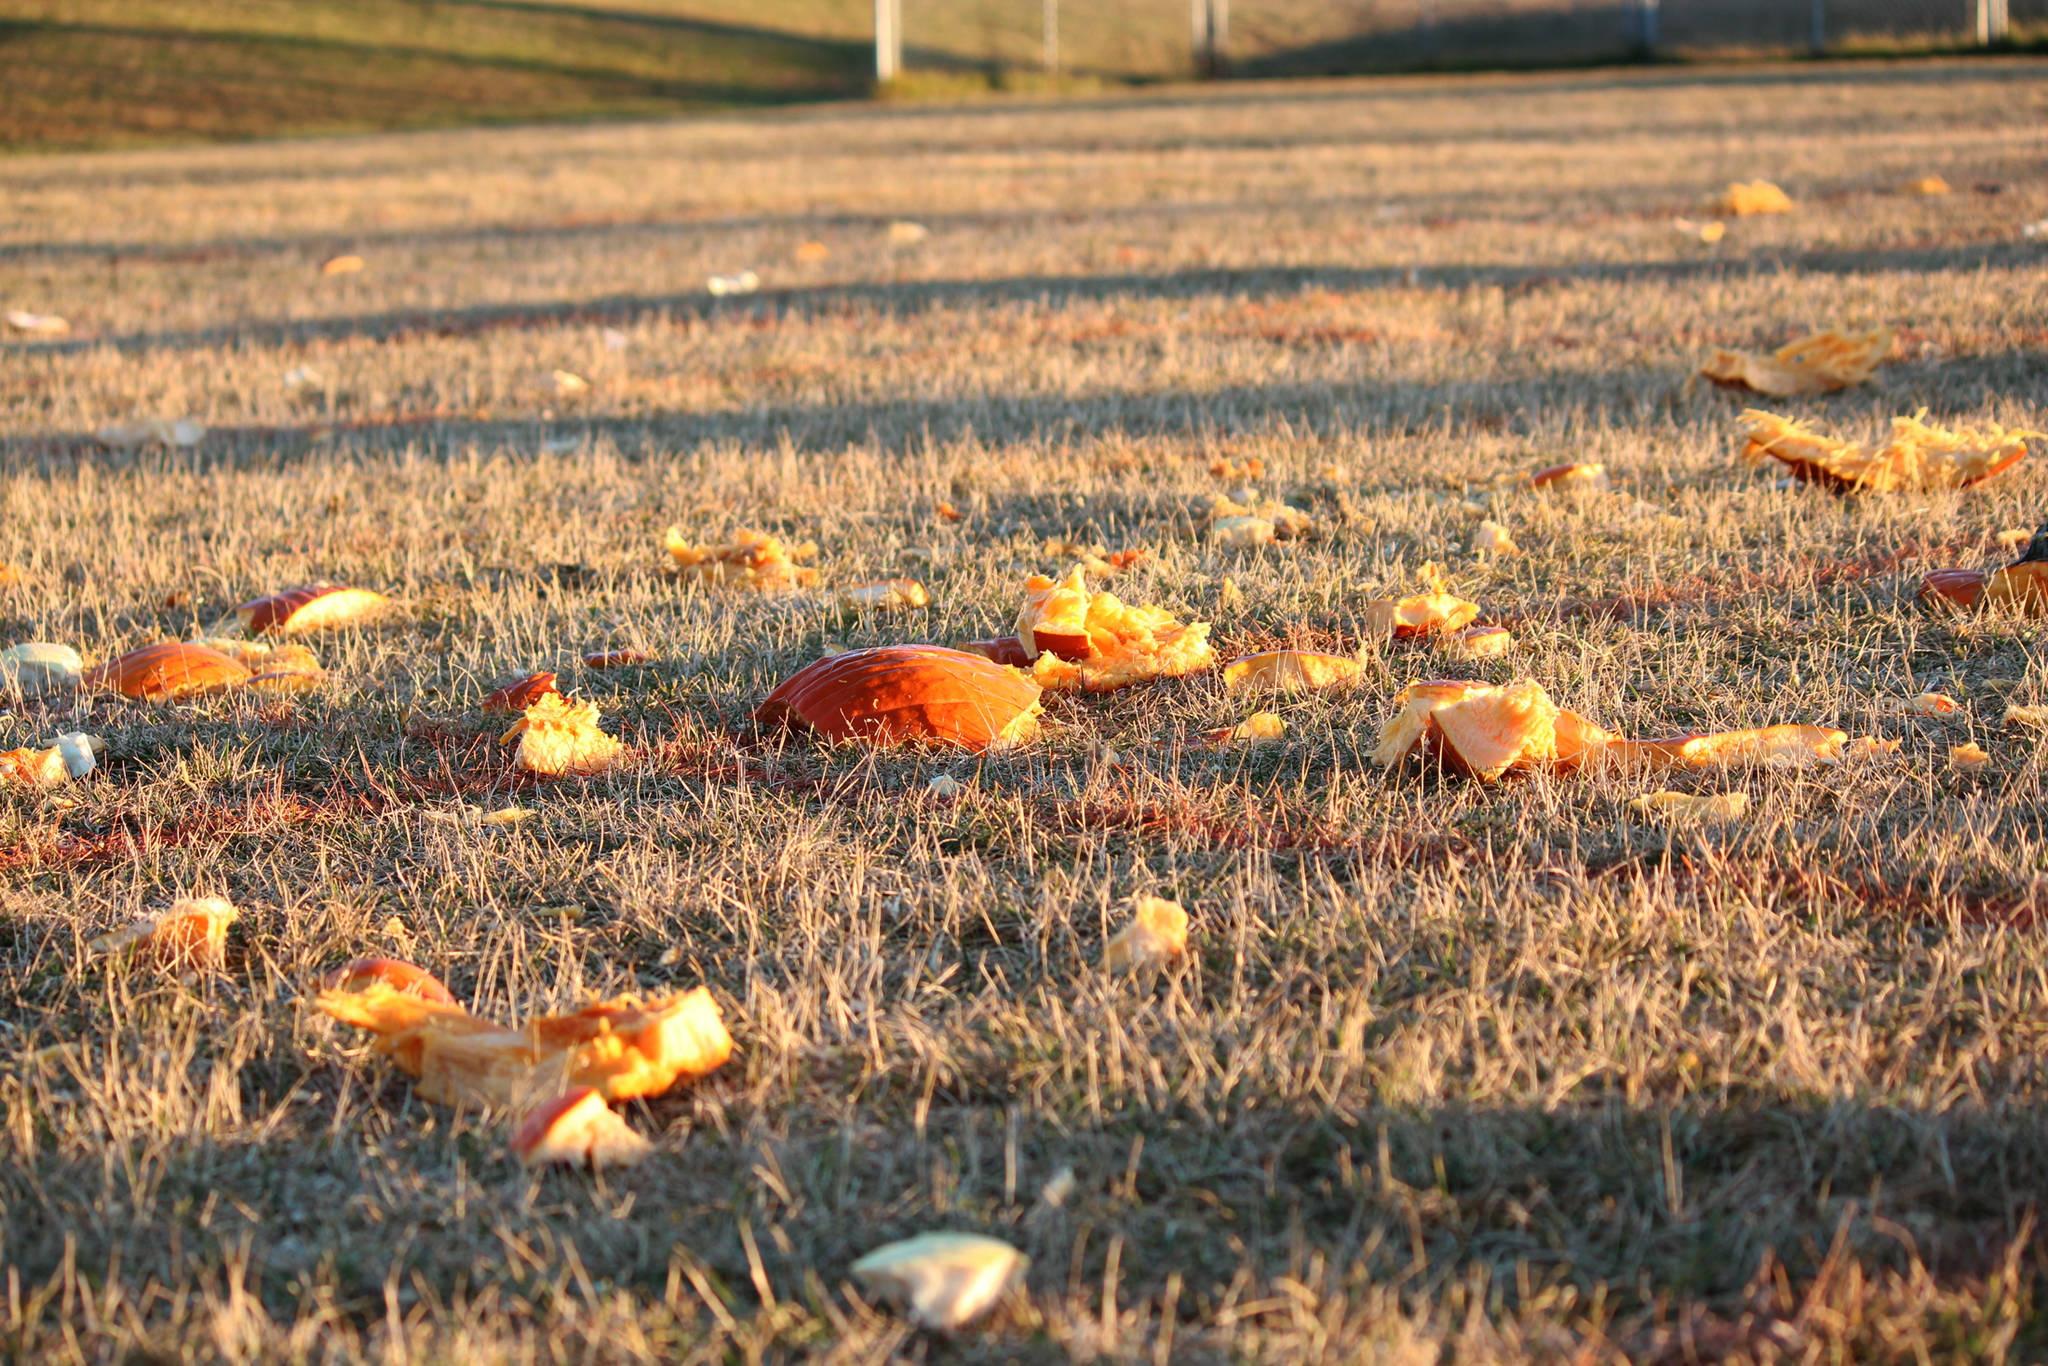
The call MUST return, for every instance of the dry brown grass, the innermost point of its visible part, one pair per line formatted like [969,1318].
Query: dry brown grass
[1504,1072]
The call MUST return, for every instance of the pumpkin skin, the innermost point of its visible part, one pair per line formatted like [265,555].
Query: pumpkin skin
[168,672]
[319,608]
[1003,650]
[520,695]
[1952,588]
[616,659]
[395,973]
[894,694]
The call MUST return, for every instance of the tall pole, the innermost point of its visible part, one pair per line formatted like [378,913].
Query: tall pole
[1817,27]
[1219,36]
[1052,37]
[1991,21]
[1646,27]
[1200,38]
[888,39]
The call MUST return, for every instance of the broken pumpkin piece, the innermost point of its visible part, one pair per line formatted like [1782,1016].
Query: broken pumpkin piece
[1478,642]
[2035,718]
[896,694]
[558,736]
[1819,363]
[1292,671]
[1485,731]
[1417,614]
[1157,934]
[1003,650]
[1572,478]
[171,671]
[287,667]
[892,595]
[2022,585]
[317,607]
[577,1129]
[521,693]
[72,756]
[754,560]
[1255,521]
[1097,643]
[1251,470]
[616,659]
[407,979]
[1687,806]
[1935,704]
[40,667]
[1918,457]
[1491,538]
[1969,758]
[193,933]
[1743,198]
[945,1280]
[624,1047]
[1789,746]
[1261,727]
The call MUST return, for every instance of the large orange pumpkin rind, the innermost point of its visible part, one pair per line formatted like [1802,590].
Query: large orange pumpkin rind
[317,607]
[170,671]
[908,694]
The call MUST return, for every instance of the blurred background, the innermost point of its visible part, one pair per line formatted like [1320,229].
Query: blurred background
[113,72]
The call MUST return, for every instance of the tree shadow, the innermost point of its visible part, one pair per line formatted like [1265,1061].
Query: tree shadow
[900,298]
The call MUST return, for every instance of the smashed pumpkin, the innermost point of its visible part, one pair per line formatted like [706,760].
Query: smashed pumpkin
[521,693]
[1919,456]
[317,607]
[622,1048]
[1422,613]
[577,1129]
[755,560]
[1292,671]
[1098,643]
[2021,585]
[895,694]
[560,736]
[1819,363]
[193,933]
[171,671]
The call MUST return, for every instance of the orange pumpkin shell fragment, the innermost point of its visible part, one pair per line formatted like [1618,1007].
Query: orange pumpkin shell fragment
[319,607]
[407,979]
[559,736]
[1292,671]
[1424,613]
[1918,456]
[754,560]
[577,1129]
[192,933]
[521,693]
[171,671]
[1098,643]
[1820,363]
[896,694]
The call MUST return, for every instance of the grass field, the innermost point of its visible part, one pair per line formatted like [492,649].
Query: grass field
[1495,1072]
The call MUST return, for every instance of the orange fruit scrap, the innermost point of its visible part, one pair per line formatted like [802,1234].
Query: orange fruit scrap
[1571,478]
[577,1129]
[317,607]
[193,933]
[521,693]
[1919,456]
[1479,642]
[1970,758]
[621,1048]
[288,667]
[896,694]
[1097,643]
[754,561]
[170,671]
[891,595]
[1292,671]
[559,735]
[1234,525]
[73,756]
[1252,468]
[1819,363]
[1432,610]
[1745,197]
[1486,731]
[1156,935]
[2021,585]
[616,659]
[1261,727]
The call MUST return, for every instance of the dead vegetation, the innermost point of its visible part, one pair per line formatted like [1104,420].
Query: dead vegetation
[1512,1071]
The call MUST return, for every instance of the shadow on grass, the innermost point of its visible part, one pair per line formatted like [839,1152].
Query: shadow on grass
[897,298]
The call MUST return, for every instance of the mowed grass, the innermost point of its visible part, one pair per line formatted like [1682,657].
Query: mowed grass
[1504,1072]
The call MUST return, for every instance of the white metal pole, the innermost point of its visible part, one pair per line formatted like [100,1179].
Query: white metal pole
[888,39]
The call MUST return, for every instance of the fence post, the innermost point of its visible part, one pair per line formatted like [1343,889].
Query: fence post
[1198,25]
[888,39]
[1052,37]
[1817,27]
[1219,36]
[1991,21]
